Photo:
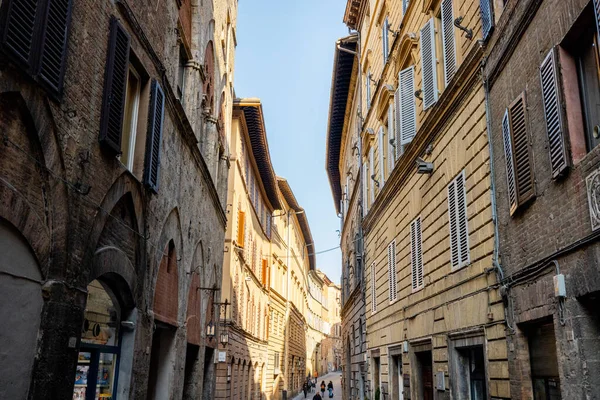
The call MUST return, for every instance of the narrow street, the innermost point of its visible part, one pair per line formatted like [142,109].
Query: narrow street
[335,377]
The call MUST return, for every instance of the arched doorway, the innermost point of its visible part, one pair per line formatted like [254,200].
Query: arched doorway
[20,289]
[103,333]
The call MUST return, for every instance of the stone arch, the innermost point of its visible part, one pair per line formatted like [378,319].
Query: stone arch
[406,54]
[208,88]
[124,200]
[20,289]
[32,158]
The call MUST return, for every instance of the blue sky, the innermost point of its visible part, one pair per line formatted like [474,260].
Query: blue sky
[284,56]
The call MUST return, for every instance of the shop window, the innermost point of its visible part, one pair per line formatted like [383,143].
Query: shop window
[544,363]
[580,69]
[99,353]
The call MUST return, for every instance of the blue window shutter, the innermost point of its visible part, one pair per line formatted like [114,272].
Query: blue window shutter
[156,115]
[448,41]
[487,18]
[384,40]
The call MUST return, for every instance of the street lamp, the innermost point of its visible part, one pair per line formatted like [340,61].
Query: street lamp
[210,330]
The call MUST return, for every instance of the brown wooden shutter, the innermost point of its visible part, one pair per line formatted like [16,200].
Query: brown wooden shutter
[552,99]
[54,45]
[510,163]
[241,228]
[264,272]
[156,113]
[21,23]
[115,86]
[521,150]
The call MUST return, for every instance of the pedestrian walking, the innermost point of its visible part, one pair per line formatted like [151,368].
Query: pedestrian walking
[305,389]
[330,389]
[317,396]
[323,388]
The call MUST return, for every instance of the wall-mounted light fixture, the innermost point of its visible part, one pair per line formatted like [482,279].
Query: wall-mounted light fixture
[424,167]
[468,32]
[418,94]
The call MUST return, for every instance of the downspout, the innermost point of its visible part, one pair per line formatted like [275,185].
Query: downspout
[495,256]
[286,344]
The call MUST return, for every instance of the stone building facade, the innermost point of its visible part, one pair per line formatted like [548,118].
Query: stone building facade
[113,176]
[343,169]
[543,118]
[419,169]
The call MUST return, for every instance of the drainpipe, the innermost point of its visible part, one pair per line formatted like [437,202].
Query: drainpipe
[495,263]
[286,344]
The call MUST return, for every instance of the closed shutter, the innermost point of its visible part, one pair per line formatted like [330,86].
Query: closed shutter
[487,18]
[264,272]
[398,118]
[21,28]
[381,151]
[408,109]
[416,254]
[372,173]
[428,64]
[115,85]
[54,45]
[368,90]
[393,295]
[510,163]
[458,221]
[241,228]
[404,6]
[365,188]
[448,42]
[597,18]
[384,40]
[373,289]
[521,150]
[551,96]
[391,144]
[154,136]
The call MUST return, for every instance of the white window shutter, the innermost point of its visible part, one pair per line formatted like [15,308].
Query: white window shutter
[510,169]
[371,174]
[448,42]
[408,107]
[373,289]
[393,295]
[487,18]
[416,254]
[368,90]
[348,195]
[397,119]
[381,151]
[463,223]
[384,40]
[404,6]
[458,219]
[391,144]
[551,97]
[365,188]
[429,65]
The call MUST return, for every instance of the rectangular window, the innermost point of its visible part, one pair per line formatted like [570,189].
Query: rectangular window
[404,6]
[429,65]
[385,40]
[467,364]
[130,120]
[368,83]
[393,295]
[448,41]
[365,188]
[406,109]
[183,59]
[391,140]
[34,35]
[372,174]
[241,232]
[517,151]
[381,149]
[458,218]
[416,254]
[373,289]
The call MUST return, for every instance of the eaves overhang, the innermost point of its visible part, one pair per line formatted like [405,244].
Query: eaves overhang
[343,66]
[290,199]
[255,122]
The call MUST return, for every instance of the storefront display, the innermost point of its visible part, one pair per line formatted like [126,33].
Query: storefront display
[97,366]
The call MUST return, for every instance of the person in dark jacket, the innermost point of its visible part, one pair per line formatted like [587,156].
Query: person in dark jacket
[330,388]
[323,388]
[317,396]
[305,389]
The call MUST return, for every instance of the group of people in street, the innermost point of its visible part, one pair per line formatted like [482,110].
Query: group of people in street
[310,386]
